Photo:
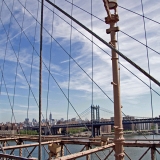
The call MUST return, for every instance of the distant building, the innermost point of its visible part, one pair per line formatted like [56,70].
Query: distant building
[73,119]
[26,121]
[130,127]
[62,119]
[143,126]
[50,117]
[54,121]
[125,126]
[105,128]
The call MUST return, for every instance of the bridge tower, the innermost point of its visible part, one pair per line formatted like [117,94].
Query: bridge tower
[95,117]
[95,113]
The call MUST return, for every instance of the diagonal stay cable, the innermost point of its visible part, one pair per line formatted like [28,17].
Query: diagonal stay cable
[46,68]
[139,14]
[94,44]
[121,30]
[136,66]
[69,56]
[72,27]
[102,50]
[125,34]
[69,67]
[19,48]
[19,62]
[8,95]
[4,59]
[145,32]
[139,78]
[107,44]
[6,47]
[49,67]
[84,112]
[18,59]
[139,41]
[108,53]
[92,60]
[31,64]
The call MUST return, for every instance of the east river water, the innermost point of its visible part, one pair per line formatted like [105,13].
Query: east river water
[133,152]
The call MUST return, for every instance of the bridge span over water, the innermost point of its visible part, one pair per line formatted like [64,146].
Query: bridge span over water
[95,125]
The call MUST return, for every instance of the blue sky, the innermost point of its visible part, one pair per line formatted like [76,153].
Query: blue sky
[135,96]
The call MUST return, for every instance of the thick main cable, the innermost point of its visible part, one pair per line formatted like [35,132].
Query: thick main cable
[121,30]
[107,44]
[94,44]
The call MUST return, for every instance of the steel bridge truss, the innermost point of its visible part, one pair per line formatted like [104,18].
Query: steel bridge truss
[103,144]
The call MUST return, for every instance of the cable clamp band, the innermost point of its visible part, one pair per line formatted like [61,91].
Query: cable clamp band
[114,83]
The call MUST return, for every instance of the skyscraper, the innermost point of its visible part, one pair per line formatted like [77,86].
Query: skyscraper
[50,117]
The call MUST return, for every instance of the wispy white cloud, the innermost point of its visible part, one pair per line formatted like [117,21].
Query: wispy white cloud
[81,50]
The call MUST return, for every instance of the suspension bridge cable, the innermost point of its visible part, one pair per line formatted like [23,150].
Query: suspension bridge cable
[92,48]
[121,30]
[107,44]
[139,79]
[6,47]
[30,79]
[99,47]
[111,100]
[18,59]
[68,55]
[69,68]
[84,112]
[49,67]
[74,61]
[118,49]
[20,66]
[8,96]
[92,62]
[46,68]
[5,51]
[85,11]
[108,53]
[19,48]
[40,78]
[139,42]
[145,32]
[139,14]
[118,45]
[106,110]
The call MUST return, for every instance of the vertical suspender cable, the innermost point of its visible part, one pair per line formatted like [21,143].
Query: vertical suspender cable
[17,65]
[49,67]
[4,59]
[40,80]
[69,67]
[107,44]
[92,68]
[145,32]
[30,78]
